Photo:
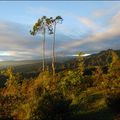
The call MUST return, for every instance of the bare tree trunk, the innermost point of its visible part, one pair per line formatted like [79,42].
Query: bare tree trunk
[44,51]
[53,55]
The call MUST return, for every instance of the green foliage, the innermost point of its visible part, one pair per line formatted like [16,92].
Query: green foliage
[52,106]
[12,78]
[81,63]
[13,82]
[104,58]
[72,95]
[71,83]
[113,99]
[113,87]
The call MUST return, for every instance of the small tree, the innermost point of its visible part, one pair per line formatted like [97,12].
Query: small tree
[81,62]
[13,81]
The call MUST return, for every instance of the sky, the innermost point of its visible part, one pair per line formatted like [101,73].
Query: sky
[88,26]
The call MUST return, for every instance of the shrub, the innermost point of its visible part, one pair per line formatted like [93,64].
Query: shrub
[71,83]
[52,107]
[113,99]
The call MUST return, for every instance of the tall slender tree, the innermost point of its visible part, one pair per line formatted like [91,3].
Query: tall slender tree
[54,21]
[40,26]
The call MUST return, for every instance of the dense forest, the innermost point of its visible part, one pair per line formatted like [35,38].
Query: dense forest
[83,88]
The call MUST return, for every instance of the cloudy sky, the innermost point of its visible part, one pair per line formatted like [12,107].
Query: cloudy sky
[88,26]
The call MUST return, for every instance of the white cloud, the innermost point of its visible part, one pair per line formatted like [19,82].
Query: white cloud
[99,13]
[89,23]
[16,41]
[102,12]
[110,33]
[115,7]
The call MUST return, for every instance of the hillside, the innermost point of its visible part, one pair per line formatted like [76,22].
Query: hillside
[31,68]
[73,93]
[102,58]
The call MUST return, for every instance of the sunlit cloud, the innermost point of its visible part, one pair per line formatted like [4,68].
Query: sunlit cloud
[87,22]
[84,55]
[110,34]
[2,53]
[106,11]
[94,32]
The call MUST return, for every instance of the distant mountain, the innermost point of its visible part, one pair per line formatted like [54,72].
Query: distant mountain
[28,65]
[103,58]
[17,63]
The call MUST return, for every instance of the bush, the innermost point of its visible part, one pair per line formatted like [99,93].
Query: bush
[71,83]
[113,100]
[52,107]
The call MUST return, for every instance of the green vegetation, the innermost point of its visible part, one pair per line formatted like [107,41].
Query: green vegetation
[80,91]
